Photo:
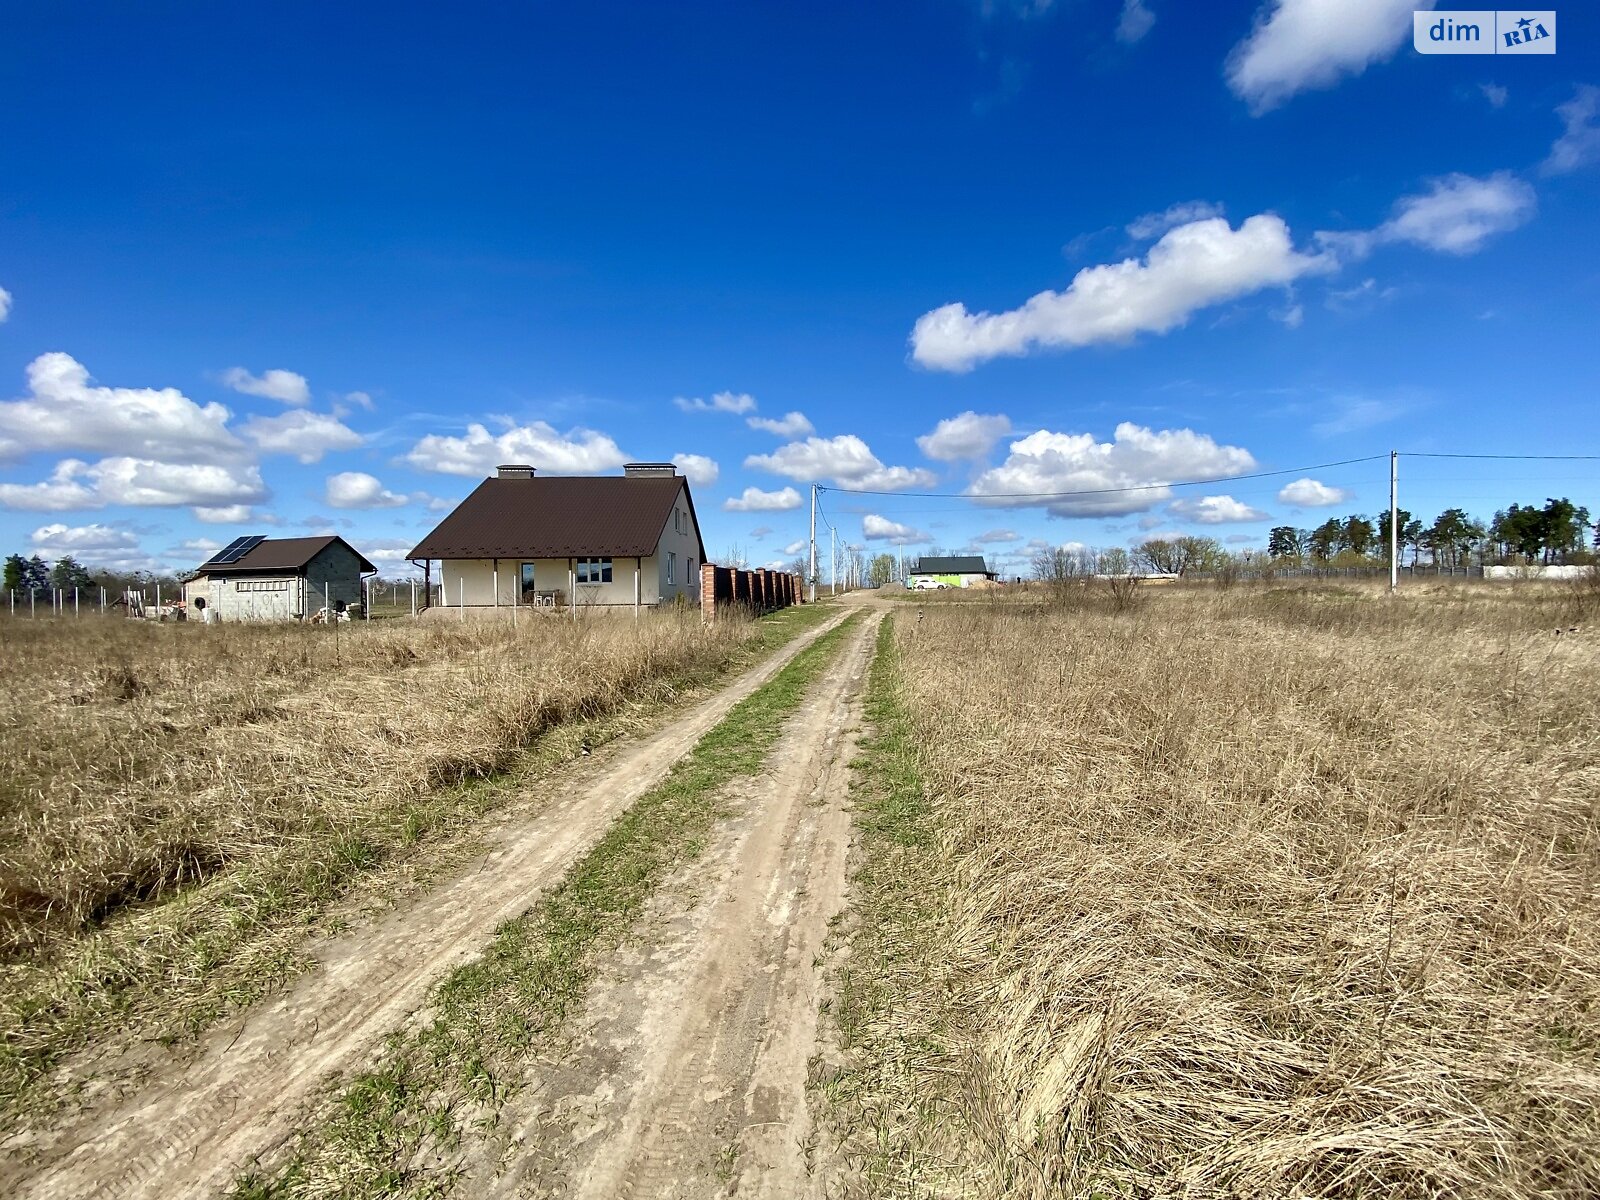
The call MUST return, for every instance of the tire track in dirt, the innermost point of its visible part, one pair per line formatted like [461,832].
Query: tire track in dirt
[198,1121]
[689,1076]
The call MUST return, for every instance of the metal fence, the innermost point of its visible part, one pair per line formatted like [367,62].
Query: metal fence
[157,601]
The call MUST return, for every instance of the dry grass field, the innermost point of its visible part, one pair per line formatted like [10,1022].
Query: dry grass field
[1271,891]
[178,801]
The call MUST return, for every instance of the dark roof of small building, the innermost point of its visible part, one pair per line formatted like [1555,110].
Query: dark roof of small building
[282,554]
[561,516]
[958,564]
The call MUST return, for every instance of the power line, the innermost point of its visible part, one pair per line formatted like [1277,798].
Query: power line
[1522,457]
[1143,487]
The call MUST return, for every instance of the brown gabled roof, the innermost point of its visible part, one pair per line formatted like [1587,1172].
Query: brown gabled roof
[596,516]
[283,554]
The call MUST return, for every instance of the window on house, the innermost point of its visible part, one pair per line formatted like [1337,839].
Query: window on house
[594,570]
[261,585]
[672,567]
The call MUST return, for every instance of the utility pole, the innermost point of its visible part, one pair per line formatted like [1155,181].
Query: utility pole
[1394,521]
[811,595]
[833,563]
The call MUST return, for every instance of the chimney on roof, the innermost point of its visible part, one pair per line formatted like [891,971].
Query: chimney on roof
[514,471]
[648,470]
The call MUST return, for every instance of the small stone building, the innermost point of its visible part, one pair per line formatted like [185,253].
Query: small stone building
[279,579]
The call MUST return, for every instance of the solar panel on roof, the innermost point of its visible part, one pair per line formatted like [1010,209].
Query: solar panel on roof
[236,549]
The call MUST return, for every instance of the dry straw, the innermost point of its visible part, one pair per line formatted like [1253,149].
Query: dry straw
[144,759]
[1276,891]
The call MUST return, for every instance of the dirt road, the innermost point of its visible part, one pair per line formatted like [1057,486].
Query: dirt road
[688,1077]
[200,1119]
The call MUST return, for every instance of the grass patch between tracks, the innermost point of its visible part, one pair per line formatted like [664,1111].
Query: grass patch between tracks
[890,1031]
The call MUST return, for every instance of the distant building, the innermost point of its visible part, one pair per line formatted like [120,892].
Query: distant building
[960,570]
[602,541]
[278,579]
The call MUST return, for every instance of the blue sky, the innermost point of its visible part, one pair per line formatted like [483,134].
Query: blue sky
[295,268]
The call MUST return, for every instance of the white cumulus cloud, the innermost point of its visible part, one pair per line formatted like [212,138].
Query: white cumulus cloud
[62,491]
[1136,458]
[146,484]
[1192,267]
[223,514]
[965,436]
[1579,143]
[142,483]
[357,489]
[65,411]
[1311,493]
[1304,45]
[880,529]
[390,552]
[577,452]
[790,425]
[5,304]
[1215,510]
[697,468]
[846,460]
[93,545]
[285,386]
[737,403]
[755,500]
[306,435]
[1456,215]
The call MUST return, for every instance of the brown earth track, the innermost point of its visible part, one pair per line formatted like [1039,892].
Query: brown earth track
[200,1118]
[688,1073]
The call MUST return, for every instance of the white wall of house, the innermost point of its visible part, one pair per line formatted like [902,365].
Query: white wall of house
[472,582]
[678,554]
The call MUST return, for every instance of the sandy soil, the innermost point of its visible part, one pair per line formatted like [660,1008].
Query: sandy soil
[687,1077]
[201,1117]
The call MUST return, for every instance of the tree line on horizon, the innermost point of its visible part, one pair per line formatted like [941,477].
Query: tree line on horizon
[33,574]
[1558,532]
